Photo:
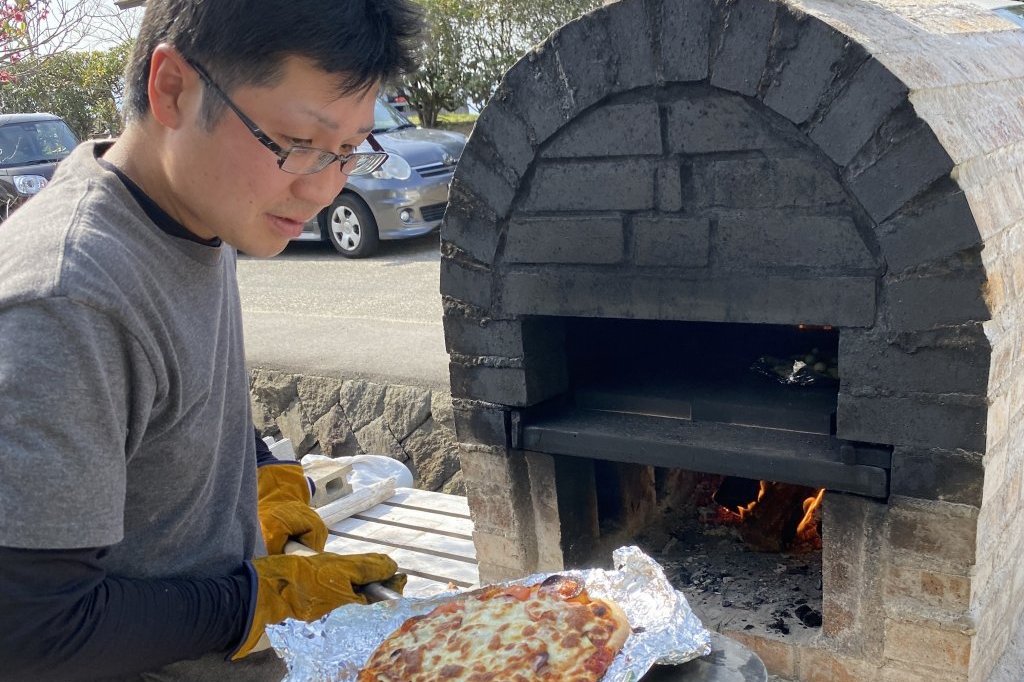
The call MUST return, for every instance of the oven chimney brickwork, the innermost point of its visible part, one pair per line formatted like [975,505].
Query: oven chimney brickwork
[850,163]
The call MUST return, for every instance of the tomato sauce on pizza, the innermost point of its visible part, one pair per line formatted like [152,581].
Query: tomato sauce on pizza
[550,632]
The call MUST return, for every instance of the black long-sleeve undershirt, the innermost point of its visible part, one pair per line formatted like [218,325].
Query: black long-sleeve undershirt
[63,618]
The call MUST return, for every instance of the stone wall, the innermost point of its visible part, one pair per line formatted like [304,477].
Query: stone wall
[339,417]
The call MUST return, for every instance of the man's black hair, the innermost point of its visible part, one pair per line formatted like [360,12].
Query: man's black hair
[244,42]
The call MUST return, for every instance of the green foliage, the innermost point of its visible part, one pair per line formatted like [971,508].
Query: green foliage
[442,79]
[83,88]
[470,44]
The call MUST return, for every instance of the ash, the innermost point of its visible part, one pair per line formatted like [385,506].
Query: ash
[733,588]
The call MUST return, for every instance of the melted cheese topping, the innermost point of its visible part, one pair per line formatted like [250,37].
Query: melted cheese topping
[514,634]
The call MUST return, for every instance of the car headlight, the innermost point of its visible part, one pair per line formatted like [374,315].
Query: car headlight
[28,185]
[395,168]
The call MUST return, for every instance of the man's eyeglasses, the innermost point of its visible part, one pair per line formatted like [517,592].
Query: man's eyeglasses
[298,159]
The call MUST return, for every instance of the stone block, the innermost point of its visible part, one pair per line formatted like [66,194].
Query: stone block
[630,24]
[503,128]
[537,93]
[947,422]
[503,558]
[912,590]
[632,129]
[471,225]
[334,434]
[362,401]
[488,466]
[466,282]
[584,60]
[870,96]
[579,238]
[930,300]
[801,74]
[757,240]
[774,182]
[377,439]
[478,423]
[505,385]
[669,190]
[930,648]
[851,576]
[618,185]
[547,523]
[480,174]
[898,172]
[330,480]
[317,396]
[672,241]
[433,455]
[296,428]
[937,536]
[820,665]
[895,671]
[931,230]
[717,122]
[483,337]
[275,390]
[406,408]
[778,657]
[909,363]
[838,301]
[941,475]
[739,55]
[682,29]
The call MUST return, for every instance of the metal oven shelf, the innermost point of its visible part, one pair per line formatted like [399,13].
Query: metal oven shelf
[811,459]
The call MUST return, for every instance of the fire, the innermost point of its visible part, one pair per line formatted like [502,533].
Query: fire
[745,510]
[808,526]
[769,516]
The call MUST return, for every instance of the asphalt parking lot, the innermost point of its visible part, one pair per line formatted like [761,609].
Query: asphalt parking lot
[312,311]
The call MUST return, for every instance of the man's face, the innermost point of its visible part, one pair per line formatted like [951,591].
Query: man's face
[226,184]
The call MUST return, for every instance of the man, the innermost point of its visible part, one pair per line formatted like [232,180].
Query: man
[130,539]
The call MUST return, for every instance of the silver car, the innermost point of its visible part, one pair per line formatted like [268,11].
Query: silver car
[405,198]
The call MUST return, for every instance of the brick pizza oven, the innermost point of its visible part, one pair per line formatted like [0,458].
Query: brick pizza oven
[665,189]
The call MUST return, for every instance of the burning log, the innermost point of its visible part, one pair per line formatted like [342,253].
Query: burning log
[770,524]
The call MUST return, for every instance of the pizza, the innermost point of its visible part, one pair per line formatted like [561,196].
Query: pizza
[550,632]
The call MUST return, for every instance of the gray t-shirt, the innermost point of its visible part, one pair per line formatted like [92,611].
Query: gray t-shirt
[124,402]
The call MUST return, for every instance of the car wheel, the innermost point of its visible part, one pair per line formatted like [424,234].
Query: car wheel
[350,227]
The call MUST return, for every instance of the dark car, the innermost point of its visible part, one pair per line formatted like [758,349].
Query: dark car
[31,145]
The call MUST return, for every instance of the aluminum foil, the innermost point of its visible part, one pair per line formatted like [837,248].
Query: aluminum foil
[665,629]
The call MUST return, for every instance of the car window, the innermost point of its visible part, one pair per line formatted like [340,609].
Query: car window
[386,117]
[35,142]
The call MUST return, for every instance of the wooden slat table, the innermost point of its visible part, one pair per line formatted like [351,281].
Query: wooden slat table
[428,534]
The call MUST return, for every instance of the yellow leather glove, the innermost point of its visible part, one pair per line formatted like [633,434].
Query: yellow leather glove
[284,509]
[309,587]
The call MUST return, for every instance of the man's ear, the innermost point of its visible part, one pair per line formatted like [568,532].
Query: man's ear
[172,85]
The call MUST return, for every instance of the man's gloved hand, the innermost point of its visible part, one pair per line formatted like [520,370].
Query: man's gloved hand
[309,587]
[284,509]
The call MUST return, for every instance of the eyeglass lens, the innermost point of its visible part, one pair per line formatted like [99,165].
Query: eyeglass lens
[309,160]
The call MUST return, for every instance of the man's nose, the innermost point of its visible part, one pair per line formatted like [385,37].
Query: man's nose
[320,188]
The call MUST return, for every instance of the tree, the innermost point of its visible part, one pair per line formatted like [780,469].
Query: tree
[83,88]
[40,28]
[507,29]
[15,18]
[470,44]
[441,81]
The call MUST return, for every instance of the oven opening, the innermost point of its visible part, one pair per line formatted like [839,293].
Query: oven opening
[769,376]
[712,446]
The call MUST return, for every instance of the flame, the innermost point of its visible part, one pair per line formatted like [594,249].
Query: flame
[744,511]
[809,523]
